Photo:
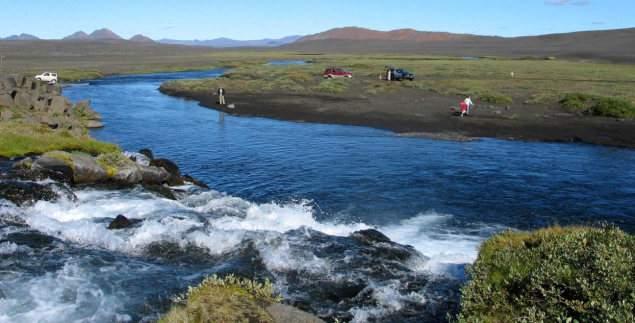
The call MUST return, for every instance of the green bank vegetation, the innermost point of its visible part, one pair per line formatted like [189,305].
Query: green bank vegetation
[227,299]
[544,82]
[19,139]
[570,274]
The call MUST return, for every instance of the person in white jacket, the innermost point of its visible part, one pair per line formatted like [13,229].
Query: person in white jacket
[469,103]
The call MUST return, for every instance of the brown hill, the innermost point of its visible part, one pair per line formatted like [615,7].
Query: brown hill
[141,39]
[356,33]
[104,34]
[80,35]
[611,45]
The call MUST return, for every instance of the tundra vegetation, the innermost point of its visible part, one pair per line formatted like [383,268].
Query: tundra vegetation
[558,274]
[606,88]
[227,299]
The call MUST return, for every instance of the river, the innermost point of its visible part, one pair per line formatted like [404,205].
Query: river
[285,198]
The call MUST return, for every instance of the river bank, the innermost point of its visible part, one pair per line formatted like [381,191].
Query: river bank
[412,112]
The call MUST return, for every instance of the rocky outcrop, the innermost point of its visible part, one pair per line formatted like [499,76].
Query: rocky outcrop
[119,169]
[44,103]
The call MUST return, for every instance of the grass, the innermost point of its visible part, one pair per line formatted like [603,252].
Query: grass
[570,274]
[228,299]
[598,105]
[542,82]
[19,139]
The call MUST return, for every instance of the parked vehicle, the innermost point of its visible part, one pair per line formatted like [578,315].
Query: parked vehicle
[334,72]
[399,74]
[50,78]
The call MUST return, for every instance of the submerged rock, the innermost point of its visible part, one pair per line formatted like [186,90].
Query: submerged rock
[161,190]
[194,181]
[147,152]
[25,193]
[121,222]
[289,314]
[171,168]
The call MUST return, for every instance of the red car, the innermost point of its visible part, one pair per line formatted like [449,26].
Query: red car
[334,72]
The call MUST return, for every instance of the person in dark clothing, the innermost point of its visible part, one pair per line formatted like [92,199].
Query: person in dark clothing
[221,96]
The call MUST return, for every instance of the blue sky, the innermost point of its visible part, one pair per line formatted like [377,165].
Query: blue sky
[253,19]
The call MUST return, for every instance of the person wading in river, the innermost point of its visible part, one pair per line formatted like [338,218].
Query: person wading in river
[221,96]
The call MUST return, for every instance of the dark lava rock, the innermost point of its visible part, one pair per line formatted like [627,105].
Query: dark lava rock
[44,167]
[147,152]
[24,193]
[31,239]
[194,181]
[161,190]
[170,167]
[370,236]
[121,222]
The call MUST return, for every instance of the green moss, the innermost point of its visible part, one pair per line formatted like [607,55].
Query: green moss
[553,275]
[228,299]
[64,156]
[598,105]
[19,139]
[112,162]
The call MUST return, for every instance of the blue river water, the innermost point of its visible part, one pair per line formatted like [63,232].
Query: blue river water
[357,173]
[287,201]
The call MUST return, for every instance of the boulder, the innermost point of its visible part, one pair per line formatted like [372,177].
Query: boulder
[370,236]
[147,152]
[22,99]
[289,314]
[6,100]
[86,170]
[128,175]
[9,83]
[39,104]
[49,167]
[59,105]
[153,175]
[83,110]
[170,167]
[25,193]
[161,190]
[121,222]
[138,158]
[93,124]
[21,81]
[194,181]
[5,114]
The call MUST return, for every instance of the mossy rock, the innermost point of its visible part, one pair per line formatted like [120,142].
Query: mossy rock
[228,299]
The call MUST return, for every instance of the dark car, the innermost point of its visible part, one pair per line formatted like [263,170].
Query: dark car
[334,72]
[399,74]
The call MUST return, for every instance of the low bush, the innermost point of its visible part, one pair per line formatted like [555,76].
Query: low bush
[228,299]
[494,98]
[598,105]
[572,274]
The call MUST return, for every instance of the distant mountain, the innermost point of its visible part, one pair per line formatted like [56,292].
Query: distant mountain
[228,42]
[612,45]
[21,37]
[141,39]
[356,33]
[104,34]
[80,35]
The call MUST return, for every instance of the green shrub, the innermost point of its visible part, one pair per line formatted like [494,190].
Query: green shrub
[494,98]
[572,274]
[228,299]
[598,105]
[333,85]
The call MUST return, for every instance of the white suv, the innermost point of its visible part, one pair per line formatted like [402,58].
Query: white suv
[49,77]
